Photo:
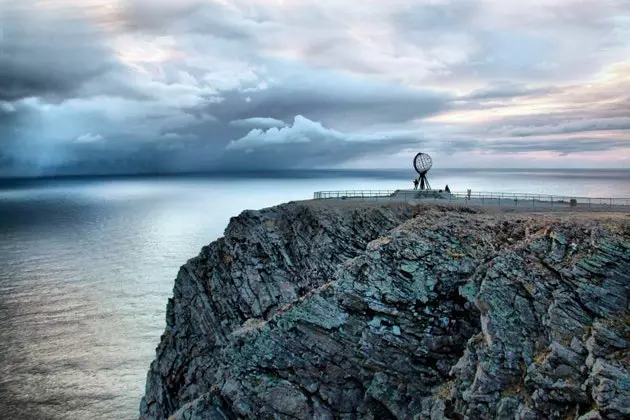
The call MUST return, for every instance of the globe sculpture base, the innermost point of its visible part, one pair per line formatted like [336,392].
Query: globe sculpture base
[424,182]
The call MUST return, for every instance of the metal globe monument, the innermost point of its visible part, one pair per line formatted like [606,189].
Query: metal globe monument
[422,164]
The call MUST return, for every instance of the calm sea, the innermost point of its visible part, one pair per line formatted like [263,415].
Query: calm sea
[87,265]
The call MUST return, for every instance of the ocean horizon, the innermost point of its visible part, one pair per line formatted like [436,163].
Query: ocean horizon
[555,181]
[305,172]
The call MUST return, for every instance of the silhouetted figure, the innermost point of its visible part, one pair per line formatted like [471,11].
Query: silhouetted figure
[447,189]
[415,184]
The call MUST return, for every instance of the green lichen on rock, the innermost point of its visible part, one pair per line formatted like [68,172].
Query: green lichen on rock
[316,311]
[378,312]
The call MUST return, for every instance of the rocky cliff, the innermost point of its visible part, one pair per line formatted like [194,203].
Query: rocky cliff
[311,310]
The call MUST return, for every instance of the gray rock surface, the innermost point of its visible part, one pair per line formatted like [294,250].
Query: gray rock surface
[308,310]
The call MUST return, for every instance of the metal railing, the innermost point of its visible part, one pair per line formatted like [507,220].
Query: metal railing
[482,197]
[354,194]
[542,198]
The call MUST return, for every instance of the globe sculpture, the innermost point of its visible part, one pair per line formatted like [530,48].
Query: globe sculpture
[422,163]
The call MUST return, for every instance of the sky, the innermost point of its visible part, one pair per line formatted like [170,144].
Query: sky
[132,86]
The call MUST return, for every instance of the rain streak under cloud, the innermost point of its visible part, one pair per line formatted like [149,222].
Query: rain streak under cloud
[129,86]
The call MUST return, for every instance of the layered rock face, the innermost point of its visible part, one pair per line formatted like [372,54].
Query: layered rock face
[309,310]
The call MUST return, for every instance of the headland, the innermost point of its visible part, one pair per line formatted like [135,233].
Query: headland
[348,308]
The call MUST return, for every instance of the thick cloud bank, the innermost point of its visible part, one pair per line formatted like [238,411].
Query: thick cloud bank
[97,86]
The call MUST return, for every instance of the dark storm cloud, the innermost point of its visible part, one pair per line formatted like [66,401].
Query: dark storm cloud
[109,86]
[302,144]
[13,119]
[333,98]
[50,53]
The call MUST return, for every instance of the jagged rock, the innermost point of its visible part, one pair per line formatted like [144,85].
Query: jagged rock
[310,310]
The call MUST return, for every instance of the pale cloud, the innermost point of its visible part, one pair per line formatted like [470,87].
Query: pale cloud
[7,107]
[301,131]
[258,122]
[89,138]
[598,104]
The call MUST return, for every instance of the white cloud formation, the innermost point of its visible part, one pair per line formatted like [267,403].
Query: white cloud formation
[258,122]
[7,107]
[304,131]
[89,138]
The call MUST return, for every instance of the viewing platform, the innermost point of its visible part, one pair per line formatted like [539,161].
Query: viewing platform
[542,202]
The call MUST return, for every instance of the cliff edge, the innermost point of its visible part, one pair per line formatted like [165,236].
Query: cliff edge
[309,310]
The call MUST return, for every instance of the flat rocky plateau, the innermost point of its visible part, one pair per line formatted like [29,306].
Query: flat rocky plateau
[317,310]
